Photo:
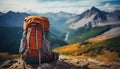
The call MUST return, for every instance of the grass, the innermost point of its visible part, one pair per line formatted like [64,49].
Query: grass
[107,50]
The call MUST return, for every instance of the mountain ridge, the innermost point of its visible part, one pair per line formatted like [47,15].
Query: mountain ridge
[100,17]
[12,19]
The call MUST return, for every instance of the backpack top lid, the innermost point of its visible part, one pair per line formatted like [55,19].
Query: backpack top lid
[42,21]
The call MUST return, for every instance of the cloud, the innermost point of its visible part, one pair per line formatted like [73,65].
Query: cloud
[75,6]
[110,7]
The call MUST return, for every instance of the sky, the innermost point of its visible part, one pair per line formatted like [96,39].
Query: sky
[71,6]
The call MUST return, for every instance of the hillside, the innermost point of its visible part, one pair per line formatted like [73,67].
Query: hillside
[107,50]
[83,34]
[106,35]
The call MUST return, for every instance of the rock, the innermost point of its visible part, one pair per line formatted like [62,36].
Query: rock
[98,63]
[46,66]
[103,64]
[8,63]
[18,65]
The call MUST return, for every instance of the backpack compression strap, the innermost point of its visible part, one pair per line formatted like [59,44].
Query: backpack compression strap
[28,42]
[37,48]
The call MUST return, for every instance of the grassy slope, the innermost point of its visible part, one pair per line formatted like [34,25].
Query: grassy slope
[107,50]
[82,34]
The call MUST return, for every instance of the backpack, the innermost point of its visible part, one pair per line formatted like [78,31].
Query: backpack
[35,41]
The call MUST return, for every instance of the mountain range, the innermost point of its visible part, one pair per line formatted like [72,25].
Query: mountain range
[94,17]
[14,19]
[91,20]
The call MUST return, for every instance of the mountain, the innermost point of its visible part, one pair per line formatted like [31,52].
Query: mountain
[114,16]
[12,19]
[56,19]
[93,17]
[92,23]
[1,13]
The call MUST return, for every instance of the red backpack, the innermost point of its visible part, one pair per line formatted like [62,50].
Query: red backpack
[36,41]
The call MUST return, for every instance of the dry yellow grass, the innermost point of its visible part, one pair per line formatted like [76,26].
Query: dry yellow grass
[3,53]
[68,48]
[7,55]
[108,56]
[98,51]
[97,39]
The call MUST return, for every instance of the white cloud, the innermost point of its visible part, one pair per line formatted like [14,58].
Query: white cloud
[107,5]
[75,6]
[109,8]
